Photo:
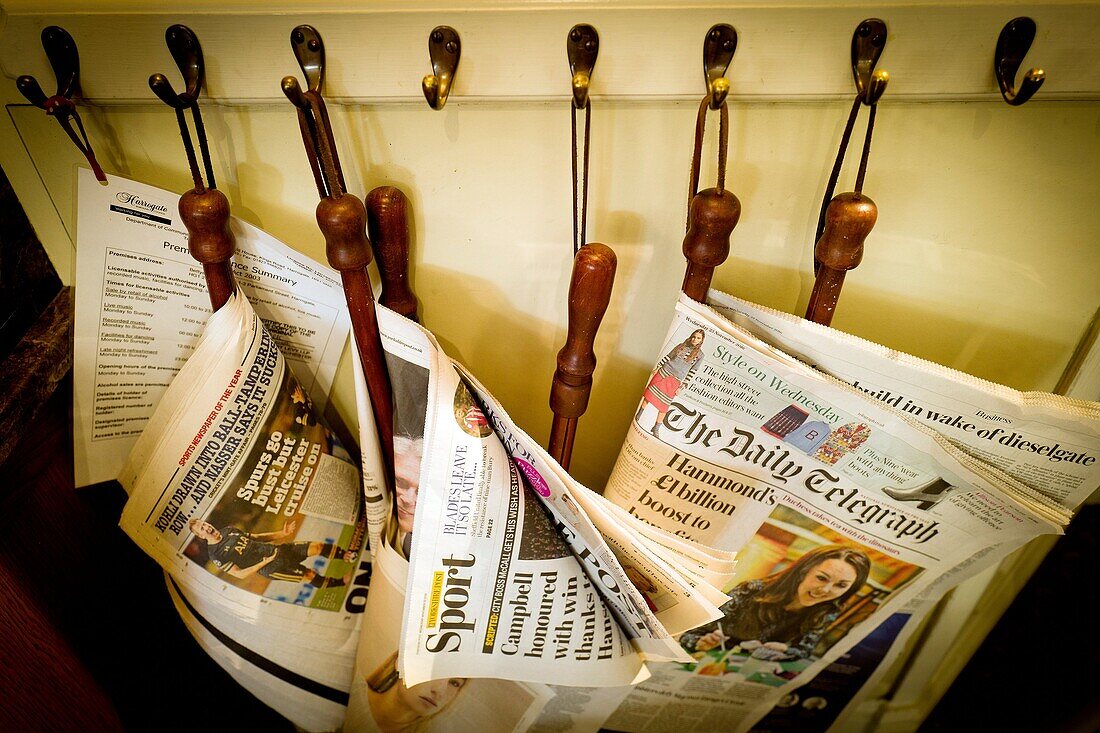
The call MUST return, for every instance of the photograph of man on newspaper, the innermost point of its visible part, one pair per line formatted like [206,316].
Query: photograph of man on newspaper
[409,383]
[799,588]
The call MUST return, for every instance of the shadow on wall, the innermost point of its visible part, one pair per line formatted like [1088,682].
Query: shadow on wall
[1024,361]
[513,355]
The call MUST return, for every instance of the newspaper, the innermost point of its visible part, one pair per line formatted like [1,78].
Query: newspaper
[738,445]
[1048,442]
[253,508]
[141,303]
[382,701]
[514,569]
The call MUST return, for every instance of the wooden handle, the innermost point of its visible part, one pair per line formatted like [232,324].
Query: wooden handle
[589,295]
[713,215]
[206,216]
[388,222]
[342,220]
[848,220]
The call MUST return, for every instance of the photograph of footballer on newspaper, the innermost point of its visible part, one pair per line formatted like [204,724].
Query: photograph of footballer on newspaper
[281,529]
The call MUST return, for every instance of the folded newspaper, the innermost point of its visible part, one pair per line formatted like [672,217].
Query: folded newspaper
[842,509]
[513,568]
[254,510]
[763,517]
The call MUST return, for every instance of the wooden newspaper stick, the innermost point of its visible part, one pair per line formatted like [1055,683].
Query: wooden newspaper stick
[713,215]
[589,295]
[388,223]
[342,220]
[848,220]
[205,213]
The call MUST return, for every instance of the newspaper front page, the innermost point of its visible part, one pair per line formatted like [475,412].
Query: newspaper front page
[379,699]
[141,304]
[253,508]
[740,446]
[1049,442]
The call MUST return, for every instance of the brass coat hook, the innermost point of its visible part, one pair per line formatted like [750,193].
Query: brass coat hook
[1012,45]
[718,49]
[61,51]
[445,50]
[313,120]
[868,42]
[187,53]
[582,46]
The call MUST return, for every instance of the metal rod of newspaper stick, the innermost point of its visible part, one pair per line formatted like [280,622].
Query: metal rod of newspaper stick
[713,215]
[589,295]
[342,220]
[388,227]
[848,220]
[204,209]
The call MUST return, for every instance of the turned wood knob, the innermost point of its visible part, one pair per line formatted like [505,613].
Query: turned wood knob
[206,216]
[713,215]
[388,226]
[848,220]
[343,221]
[589,295]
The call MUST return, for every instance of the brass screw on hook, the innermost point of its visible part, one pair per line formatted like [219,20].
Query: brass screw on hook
[445,50]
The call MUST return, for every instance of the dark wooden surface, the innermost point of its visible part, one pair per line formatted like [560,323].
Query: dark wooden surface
[589,295]
[27,279]
[848,220]
[32,370]
[89,639]
[711,218]
[388,225]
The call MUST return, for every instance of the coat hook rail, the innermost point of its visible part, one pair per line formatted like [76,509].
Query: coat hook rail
[61,50]
[589,295]
[342,219]
[445,51]
[204,209]
[845,220]
[1012,46]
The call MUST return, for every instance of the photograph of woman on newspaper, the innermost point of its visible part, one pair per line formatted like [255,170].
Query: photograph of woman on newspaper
[800,587]
[400,709]
[784,615]
[673,372]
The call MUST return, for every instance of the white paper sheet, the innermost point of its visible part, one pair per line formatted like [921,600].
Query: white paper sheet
[141,302]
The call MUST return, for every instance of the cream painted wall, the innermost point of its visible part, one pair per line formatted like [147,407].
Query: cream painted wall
[984,257]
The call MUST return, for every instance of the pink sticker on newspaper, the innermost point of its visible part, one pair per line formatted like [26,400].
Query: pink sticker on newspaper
[538,483]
